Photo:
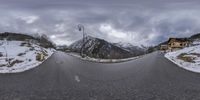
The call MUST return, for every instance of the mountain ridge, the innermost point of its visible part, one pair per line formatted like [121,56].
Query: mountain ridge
[42,39]
[99,48]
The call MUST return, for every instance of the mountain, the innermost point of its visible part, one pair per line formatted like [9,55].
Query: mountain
[15,36]
[99,48]
[63,48]
[134,50]
[43,40]
[195,37]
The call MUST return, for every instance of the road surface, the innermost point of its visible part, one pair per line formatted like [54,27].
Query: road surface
[63,77]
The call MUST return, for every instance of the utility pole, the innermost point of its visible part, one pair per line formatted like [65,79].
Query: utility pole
[81,28]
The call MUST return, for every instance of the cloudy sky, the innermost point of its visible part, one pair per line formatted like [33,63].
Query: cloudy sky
[138,22]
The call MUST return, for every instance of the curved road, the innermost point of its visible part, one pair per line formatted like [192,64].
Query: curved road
[63,77]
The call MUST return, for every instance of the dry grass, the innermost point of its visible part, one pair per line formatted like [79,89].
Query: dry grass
[186,58]
[15,62]
[44,52]
[2,65]
[32,48]
[25,44]
[196,54]
[21,54]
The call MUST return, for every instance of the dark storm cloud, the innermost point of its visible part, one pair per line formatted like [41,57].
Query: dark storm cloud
[136,21]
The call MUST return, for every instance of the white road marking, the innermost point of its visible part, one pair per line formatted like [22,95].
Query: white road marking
[76,77]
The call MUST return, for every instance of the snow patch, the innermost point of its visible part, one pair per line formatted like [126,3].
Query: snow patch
[19,56]
[193,66]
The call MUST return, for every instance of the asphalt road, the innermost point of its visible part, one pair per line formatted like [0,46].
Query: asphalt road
[63,77]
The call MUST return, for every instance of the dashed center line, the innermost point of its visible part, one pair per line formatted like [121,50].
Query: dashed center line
[76,77]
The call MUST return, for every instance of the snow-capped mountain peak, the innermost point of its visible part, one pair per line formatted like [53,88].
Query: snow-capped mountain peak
[136,50]
[99,48]
[102,49]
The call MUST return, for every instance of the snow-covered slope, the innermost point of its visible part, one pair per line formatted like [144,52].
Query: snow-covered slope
[134,50]
[42,39]
[19,56]
[196,42]
[187,58]
[90,41]
[99,48]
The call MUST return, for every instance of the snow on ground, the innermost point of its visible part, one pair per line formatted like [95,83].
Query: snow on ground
[187,58]
[103,60]
[197,42]
[21,56]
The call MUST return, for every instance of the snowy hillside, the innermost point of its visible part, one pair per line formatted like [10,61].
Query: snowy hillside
[78,44]
[99,48]
[187,58]
[42,39]
[19,56]
[134,50]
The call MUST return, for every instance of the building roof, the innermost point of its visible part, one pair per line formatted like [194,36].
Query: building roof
[178,39]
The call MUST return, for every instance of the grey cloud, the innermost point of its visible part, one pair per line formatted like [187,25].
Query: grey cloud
[142,22]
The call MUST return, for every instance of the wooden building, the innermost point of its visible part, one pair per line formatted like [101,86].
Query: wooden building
[177,43]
